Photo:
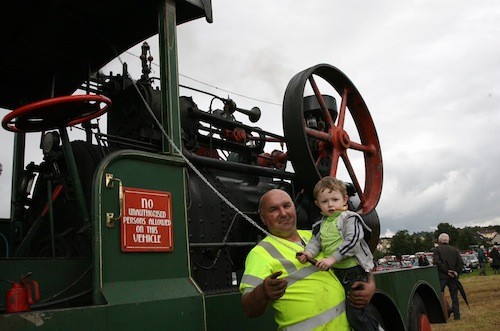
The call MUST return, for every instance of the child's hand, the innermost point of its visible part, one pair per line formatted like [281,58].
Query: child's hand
[303,257]
[326,263]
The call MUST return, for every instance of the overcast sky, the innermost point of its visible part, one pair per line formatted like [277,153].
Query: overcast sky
[428,70]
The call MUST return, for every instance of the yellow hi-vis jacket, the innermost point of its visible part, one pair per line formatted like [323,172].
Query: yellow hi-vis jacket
[313,300]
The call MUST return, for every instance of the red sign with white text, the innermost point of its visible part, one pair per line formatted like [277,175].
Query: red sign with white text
[146,221]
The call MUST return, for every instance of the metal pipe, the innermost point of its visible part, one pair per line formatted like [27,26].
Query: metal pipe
[51,218]
[220,121]
[75,178]
[238,167]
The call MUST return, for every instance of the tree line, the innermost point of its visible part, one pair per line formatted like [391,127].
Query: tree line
[405,243]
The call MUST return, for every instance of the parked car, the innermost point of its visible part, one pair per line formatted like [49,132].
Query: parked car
[389,265]
[429,256]
[470,260]
[406,264]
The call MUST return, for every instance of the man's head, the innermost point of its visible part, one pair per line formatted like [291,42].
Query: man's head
[444,238]
[277,212]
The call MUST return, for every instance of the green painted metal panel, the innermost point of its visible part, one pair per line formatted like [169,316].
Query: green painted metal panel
[152,315]
[153,305]
[143,171]
[224,312]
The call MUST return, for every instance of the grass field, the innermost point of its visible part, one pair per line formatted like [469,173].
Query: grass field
[483,294]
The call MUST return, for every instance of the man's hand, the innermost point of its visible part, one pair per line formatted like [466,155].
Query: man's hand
[362,292]
[274,288]
[326,263]
[255,302]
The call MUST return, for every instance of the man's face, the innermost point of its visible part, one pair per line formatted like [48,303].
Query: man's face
[278,213]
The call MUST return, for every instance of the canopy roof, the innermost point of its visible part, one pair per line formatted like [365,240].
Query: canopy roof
[57,43]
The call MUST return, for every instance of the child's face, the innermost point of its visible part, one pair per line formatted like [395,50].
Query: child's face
[329,201]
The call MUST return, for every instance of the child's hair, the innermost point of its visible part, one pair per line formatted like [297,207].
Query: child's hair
[330,183]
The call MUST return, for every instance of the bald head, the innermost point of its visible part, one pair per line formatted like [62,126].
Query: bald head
[277,212]
[444,238]
[272,195]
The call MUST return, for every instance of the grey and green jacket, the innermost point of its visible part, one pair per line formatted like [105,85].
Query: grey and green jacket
[351,227]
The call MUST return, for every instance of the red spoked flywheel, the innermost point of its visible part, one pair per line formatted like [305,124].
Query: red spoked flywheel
[317,141]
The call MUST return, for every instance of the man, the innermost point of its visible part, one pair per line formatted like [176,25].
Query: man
[450,264]
[303,296]
[481,257]
[495,260]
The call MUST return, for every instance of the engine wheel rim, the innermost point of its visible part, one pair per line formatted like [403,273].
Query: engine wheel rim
[333,143]
[424,323]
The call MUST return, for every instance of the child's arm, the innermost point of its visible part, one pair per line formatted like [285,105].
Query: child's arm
[352,233]
[313,247]
[310,251]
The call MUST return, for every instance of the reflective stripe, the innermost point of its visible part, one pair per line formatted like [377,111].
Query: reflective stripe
[292,278]
[301,274]
[294,275]
[318,320]
[288,265]
[247,290]
[251,280]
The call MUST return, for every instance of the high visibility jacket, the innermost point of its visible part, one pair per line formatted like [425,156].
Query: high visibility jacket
[313,300]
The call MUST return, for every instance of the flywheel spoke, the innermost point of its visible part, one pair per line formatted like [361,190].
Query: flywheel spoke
[354,179]
[343,106]
[335,163]
[369,149]
[321,101]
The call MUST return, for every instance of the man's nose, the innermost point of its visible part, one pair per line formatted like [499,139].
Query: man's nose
[282,211]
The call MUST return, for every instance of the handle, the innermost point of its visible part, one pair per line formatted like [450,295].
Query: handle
[110,217]
[32,284]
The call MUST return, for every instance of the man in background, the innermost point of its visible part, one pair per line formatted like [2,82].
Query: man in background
[481,256]
[450,264]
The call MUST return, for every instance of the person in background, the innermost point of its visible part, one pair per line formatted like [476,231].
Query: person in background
[422,260]
[303,297]
[495,260]
[339,235]
[481,256]
[449,263]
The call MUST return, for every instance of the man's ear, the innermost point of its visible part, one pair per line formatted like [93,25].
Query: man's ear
[316,203]
[262,219]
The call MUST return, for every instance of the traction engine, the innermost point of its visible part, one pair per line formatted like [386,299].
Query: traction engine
[229,154]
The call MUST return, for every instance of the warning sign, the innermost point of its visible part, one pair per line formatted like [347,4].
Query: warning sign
[147,221]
